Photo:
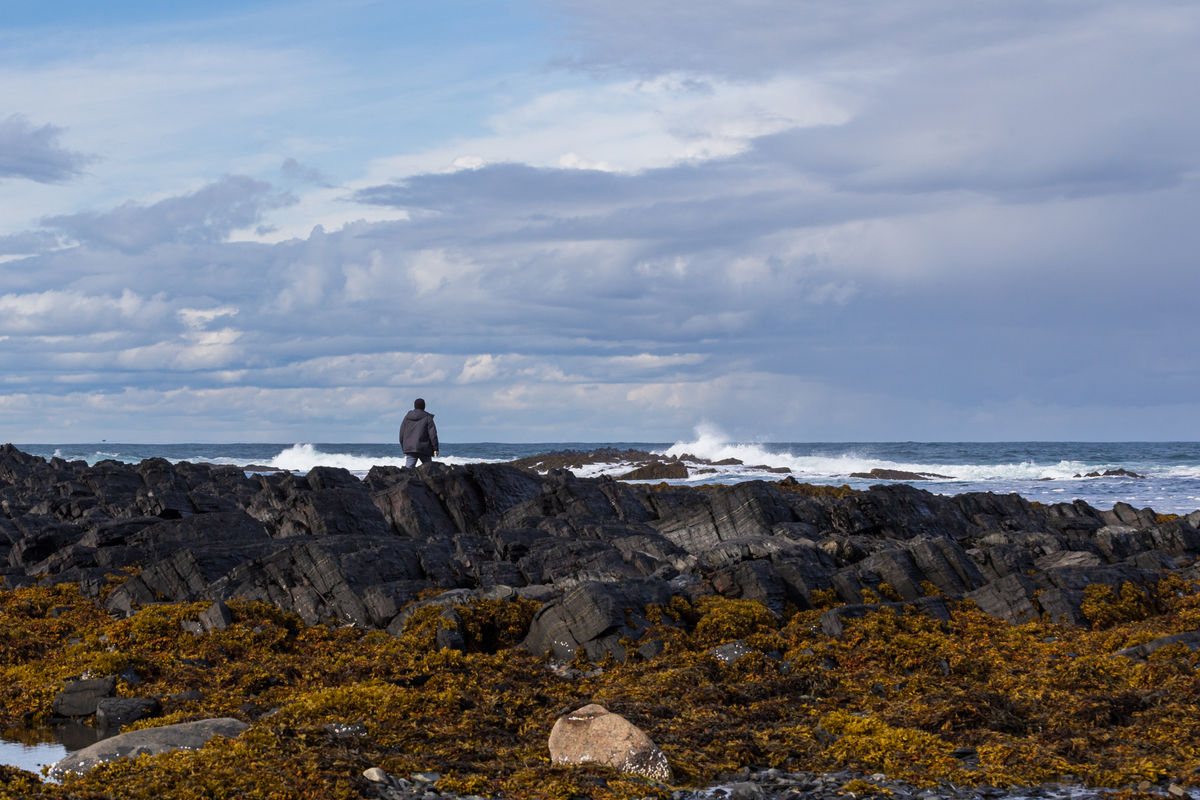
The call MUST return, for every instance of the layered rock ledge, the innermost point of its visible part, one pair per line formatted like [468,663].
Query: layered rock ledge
[594,552]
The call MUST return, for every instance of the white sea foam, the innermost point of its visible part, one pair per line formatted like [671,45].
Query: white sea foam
[303,457]
[1182,471]
[713,445]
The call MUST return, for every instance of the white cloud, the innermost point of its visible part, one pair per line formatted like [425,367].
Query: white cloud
[59,310]
[479,368]
[648,361]
[196,350]
[632,125]
[199,318]
[432,270]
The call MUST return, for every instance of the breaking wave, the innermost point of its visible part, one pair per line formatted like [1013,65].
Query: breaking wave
[840,461]
[303,457]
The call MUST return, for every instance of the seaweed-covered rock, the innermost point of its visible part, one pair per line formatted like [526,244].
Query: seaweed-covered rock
[1189,639]
[833,621]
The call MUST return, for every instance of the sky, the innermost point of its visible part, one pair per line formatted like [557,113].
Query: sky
[600,220]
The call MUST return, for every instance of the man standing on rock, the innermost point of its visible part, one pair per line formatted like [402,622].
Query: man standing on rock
[418,435]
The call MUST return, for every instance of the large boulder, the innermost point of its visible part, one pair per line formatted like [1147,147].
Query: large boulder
[594,735]
[151,741]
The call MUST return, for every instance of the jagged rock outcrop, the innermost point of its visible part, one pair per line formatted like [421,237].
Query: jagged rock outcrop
[657,471]
[594,616]
[594,552]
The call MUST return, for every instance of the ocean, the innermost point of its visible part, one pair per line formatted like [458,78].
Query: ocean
[1047,472]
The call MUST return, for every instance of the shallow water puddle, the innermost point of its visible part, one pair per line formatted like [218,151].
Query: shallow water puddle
[33,748]
[30,757]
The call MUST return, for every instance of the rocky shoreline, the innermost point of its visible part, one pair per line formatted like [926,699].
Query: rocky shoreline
[329,546]
[613,586]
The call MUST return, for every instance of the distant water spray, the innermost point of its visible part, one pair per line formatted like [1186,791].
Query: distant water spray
[713,444]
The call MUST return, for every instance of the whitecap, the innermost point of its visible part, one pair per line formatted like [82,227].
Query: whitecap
[303,457]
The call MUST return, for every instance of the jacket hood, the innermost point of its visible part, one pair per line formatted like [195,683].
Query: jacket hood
[416,414]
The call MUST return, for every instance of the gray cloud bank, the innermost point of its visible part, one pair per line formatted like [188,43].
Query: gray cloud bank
[207,215]
[32,152]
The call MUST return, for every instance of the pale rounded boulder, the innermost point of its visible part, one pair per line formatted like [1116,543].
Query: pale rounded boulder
[595,735]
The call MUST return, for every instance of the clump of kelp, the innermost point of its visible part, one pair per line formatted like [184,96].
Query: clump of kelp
[973,700]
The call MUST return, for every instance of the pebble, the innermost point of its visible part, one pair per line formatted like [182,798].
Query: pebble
[775,784]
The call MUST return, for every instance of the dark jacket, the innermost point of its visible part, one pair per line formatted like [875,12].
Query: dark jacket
[418,434]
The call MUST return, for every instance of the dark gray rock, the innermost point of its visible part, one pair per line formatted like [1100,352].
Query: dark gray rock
[80,698]
[1068,558]
[326,505]
[1189,639]
[942,561]
[1009,598]
[698,520]
[656,471]
[216,617]
[757,580]
[40,537]
[114,713]
[1125,514]
[1056,593]
[594,616]
[411,508]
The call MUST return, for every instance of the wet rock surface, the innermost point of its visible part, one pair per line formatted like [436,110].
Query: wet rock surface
[81,698]
[184,735]
[594,552]
[776,784]
[897,475]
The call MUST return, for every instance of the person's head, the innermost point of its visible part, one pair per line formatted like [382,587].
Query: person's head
[419,404]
